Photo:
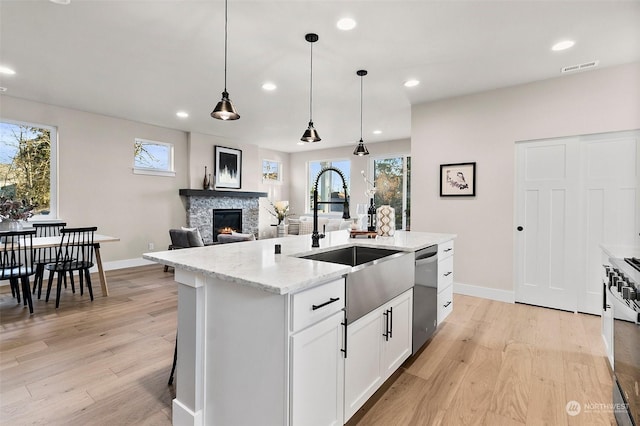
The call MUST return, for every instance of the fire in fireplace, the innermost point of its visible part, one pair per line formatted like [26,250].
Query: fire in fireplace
[226,221]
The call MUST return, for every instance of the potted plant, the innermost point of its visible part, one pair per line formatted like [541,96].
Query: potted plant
[13,212]
[280,212]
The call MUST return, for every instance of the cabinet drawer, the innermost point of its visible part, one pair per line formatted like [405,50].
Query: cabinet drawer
[445,249]
[317,303]
[445,303]
[445,273]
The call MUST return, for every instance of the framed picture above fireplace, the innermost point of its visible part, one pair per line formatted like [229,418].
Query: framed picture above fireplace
[228,167]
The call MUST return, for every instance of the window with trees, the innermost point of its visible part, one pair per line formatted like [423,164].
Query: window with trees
[27,165]
[392,177]
[330,185]
[154,158]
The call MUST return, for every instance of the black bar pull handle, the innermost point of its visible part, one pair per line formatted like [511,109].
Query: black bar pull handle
[386,325]
[448,273]
[391,322]
[345,338]
[328,302]
[447,304]
[449,249]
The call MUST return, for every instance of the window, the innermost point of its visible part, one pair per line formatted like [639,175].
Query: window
[392,177]
[330,185]
[153,158]
[27,165]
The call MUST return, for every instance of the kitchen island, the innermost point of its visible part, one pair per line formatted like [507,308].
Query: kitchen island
[247,350]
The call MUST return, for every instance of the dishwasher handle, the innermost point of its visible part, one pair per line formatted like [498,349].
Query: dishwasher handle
[432,258]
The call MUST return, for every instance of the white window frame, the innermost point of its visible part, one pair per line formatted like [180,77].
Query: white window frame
[308,185]
[53,168]
[169,171]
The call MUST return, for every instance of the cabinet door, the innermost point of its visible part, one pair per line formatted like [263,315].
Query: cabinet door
[398,324]
[317,374]
[362,365]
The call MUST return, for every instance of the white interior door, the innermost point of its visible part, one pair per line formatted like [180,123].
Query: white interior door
[547,231]
[573,194]
[609,191]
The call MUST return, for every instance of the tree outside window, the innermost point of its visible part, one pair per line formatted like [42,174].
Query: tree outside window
[25,165]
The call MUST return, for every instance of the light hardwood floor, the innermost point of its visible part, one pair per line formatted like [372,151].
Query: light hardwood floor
[107,362]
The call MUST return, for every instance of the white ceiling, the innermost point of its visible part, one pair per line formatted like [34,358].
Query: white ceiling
[144,60]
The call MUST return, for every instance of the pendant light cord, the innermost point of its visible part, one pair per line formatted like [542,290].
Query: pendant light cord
[360,108]
[311,87]
[225,45]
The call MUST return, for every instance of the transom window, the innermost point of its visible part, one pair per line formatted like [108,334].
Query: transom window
[153,158]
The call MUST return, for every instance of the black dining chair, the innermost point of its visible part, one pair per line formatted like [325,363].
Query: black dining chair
[16,262]
[75,253]
[47,254]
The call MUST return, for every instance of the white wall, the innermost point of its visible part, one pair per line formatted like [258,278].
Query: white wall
[484,128]
[299,181]
[96,184]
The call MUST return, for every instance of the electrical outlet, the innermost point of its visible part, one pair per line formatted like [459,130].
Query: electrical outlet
[151,246]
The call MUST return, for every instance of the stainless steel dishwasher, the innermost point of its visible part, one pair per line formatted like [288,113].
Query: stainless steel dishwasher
[425,296]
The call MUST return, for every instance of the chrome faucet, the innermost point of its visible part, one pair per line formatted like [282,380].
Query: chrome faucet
[315,237]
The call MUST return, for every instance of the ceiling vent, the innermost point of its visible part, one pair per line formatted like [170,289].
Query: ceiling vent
[580,67]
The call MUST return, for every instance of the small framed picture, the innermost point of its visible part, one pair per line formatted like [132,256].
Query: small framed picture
[458,180]
[228,167]
[271,171]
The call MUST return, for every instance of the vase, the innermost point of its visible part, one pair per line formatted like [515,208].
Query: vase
[205,182]
[386,218]
[282,229]
[211,183]
[11,225]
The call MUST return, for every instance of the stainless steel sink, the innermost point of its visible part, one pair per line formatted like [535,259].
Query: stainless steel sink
[377,275]
[352,256]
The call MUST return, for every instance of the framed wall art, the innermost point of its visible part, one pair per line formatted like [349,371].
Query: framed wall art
[228,167]
[271,171]
[458,180]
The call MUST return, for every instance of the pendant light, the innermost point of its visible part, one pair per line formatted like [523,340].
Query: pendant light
[361,150]
[311,135]
[225,109]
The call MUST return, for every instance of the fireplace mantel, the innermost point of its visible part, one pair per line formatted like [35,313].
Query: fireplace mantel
[214,193]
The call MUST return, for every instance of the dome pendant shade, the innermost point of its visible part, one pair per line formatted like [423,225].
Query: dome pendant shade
[361,150]
[225,109]
[310,135]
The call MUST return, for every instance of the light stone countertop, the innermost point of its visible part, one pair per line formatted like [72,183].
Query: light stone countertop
[620,251]
[254,263]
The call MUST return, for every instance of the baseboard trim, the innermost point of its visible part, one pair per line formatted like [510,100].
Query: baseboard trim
[485,292]
[122,264]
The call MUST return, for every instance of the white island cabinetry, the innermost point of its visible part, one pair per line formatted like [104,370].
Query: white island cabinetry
[262,334]
[445,280]
[377,344]
[317,363]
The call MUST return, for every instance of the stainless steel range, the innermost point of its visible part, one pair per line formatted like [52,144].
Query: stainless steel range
[623,286]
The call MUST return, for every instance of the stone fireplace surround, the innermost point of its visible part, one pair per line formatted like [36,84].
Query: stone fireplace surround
[200,203]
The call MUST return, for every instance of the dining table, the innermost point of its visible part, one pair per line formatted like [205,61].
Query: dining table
[44,242]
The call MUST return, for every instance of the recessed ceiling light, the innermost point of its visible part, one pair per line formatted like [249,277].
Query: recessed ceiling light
[5,70]
[411,83]
[377,132]
[300,143]
[346,24]
[562,45]
[65,2]
[269,86]
[3,89]
[182,114]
